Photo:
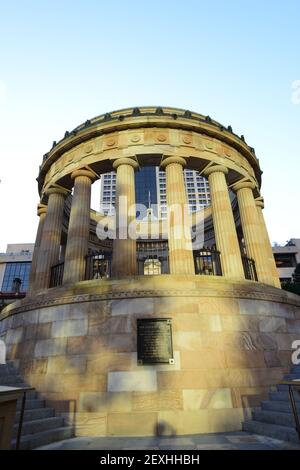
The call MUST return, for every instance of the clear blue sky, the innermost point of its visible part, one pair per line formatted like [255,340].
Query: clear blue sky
[62,62]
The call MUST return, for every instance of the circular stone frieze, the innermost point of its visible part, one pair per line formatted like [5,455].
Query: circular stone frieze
[161,137]
[110,131]
[209,145]
[187,139]
[110,142]
[88,149]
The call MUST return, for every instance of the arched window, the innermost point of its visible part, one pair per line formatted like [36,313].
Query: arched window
[152,266]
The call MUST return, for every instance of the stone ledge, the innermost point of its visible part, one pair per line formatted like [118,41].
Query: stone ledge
[152,286]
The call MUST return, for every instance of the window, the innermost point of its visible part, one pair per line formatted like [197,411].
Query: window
[16,271]
[285,260]
[152,266]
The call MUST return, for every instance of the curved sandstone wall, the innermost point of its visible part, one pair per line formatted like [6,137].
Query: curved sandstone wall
[77,346]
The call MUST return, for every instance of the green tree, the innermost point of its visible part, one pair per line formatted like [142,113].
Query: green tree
[294,285]
[296,275]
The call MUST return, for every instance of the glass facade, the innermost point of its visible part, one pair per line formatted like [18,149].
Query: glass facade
[16,271]
[145,189]
[149,179]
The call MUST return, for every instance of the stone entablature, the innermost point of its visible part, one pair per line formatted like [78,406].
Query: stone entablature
[148,132]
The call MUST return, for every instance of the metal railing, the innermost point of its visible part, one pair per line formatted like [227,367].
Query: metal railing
[249,268]
[98,265]
[207,262]
[152,257]
[56,275]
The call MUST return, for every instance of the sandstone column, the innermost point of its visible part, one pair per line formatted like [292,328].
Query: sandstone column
[41,212]
[50,243]
[224,225]
[124,246]
[79,227]
[179,223]
[260,205]
[254,240]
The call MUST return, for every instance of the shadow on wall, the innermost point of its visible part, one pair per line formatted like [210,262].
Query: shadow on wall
[163,428]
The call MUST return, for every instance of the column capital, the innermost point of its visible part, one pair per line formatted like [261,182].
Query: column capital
[242,185]
[84,172]
[41,209]
[173,159]
[57,190]
[215,168]
[260,202]
[125,161]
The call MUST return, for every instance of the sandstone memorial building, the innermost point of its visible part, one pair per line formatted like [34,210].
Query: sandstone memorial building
[182,331]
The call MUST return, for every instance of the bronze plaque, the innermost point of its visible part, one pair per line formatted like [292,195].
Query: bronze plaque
[154,341]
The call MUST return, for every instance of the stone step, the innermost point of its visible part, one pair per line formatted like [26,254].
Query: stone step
[11,380]
[33,441]
[274,417]
[292,376]
[7,371]
[39,425]
[283,396]
[282,388]
[35,413]
[30,395]
[283,433]
[282,406]
[295,369]
[8,367]
[31,404]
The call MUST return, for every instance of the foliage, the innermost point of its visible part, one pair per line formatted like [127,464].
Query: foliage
[294,285]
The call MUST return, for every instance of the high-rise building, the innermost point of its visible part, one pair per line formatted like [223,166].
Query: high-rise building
[286,258]
[15,267]
[150,189]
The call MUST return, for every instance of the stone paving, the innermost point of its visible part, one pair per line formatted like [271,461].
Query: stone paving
[220,441]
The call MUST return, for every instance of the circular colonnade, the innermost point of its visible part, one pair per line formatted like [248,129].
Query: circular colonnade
[77,342]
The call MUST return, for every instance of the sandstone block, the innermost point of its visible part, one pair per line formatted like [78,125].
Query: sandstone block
[247,397]
[132,381]
[207,398]
[87,424]
[50,347]
[255,307]
[14,336]
[113,402]
[156,401]
[245,359]
[187,340]
[109,361]
[66,328]
[132,424]
[272,324]
[52,314]
[203,359]
[132,306]
[67,364]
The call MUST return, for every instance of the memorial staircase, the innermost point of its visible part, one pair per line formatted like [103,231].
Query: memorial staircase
[275,417]
[40,425]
